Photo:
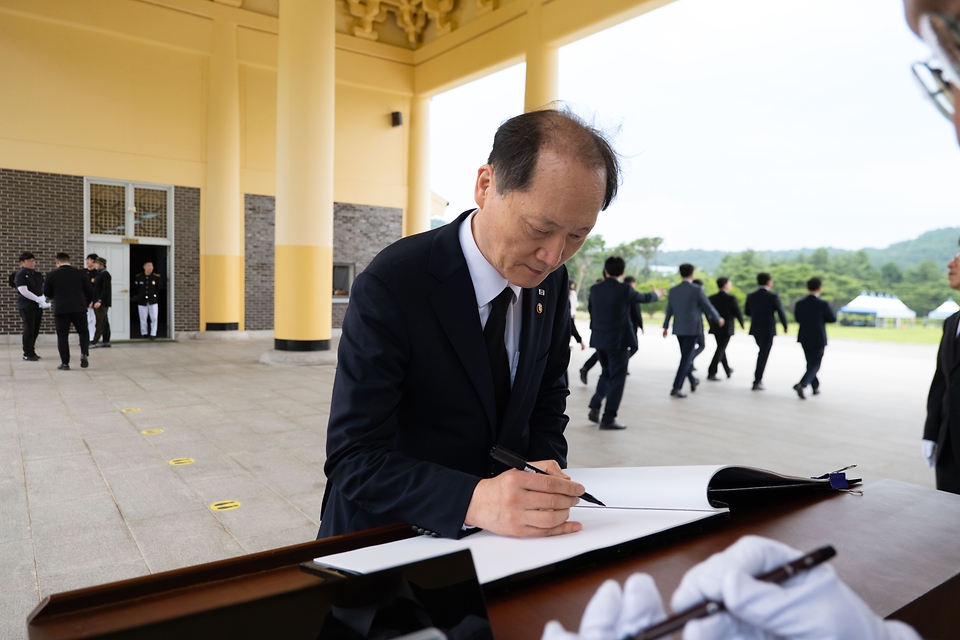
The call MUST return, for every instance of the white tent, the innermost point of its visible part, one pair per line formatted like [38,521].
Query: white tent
[881,306]
[944,311]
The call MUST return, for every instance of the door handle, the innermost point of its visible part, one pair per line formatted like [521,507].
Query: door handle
[125,291]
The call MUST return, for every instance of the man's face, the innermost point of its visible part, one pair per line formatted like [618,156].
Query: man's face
[633,285]
[91,264]
[953,272]
[30,263]
[526,235]
[727,287]
[148,268]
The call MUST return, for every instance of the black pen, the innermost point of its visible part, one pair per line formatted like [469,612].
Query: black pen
[511,459]
[708,608]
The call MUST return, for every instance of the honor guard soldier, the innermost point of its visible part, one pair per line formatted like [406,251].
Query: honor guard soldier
[30,303]
[146,293]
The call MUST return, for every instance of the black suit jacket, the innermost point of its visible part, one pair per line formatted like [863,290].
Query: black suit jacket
[611,305]
[760,306]
[103,289]
[636,318]
[69,290]
[943,401]
[413,415]
[729,309]
[812,314]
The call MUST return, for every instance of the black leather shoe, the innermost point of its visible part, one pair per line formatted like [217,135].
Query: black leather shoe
[32,358]
[583,377]
[84,363]
[714,378]
[676,393]
[729,373]
[106,345]
[612,425]
[594,415]
[693,368]
[64,367]
[153,337]
[694,384]
[816,392]
[96,345]
[757,386]
[799,391]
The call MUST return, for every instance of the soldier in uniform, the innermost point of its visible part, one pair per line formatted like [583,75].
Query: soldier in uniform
[30,303]
[146,293]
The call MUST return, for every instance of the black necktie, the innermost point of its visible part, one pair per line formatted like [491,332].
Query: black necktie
[496,350]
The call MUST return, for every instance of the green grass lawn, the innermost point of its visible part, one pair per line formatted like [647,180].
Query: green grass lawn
[912,335]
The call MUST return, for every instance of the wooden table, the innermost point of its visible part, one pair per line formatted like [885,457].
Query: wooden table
[898,547]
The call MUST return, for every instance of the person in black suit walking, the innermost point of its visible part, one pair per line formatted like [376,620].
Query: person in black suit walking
[687,304]
[457,340]
[614,335]
[102,300]
[941,432]
[760,306]
[812,314]
[70,291]
[729,309]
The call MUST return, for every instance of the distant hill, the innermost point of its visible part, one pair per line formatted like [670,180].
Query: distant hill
[938,245]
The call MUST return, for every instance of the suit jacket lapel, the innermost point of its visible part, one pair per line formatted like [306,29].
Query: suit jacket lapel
[951,361]
[531,331]
[455,303]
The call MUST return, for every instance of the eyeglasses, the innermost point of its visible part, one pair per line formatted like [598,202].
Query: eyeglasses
[940,76]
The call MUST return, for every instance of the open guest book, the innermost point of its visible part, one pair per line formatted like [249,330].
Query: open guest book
[644,504]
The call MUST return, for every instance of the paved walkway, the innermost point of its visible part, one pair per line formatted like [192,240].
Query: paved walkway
[87,497]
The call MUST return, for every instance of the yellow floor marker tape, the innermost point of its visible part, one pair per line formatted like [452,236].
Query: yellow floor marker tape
[151,432]
[133,410]
[225,505]
[181,461]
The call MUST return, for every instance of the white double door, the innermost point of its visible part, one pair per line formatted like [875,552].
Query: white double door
[118,264]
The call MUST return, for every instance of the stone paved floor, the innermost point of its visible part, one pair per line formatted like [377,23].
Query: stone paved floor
[87,498]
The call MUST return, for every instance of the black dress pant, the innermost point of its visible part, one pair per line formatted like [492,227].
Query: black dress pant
[610,386]
[764,342]
[948,471]
[720,357]
[31,317]
[592,360]
[79,322]
[688,345]
[814,356]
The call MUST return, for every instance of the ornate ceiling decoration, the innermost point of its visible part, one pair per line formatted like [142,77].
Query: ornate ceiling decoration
[412,16]
[486,6]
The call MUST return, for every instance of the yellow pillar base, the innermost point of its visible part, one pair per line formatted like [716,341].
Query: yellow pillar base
[220,291]
[303,283]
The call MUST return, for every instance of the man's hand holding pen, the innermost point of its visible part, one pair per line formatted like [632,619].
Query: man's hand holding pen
[521,504]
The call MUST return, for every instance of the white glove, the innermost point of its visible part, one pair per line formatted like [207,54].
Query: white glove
[614,615]
[43,303]
[928,449]
[812,604]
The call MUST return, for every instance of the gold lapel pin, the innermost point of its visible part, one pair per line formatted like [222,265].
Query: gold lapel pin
[539,308]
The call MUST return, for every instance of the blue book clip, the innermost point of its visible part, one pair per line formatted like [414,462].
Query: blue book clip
[838,480]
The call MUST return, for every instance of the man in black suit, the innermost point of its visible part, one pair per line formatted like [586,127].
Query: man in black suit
[941,433]
[614,335]
[102,299]
[457,340]
[812,314]
[70,291]
[760,306]
[687,304]
[729,309]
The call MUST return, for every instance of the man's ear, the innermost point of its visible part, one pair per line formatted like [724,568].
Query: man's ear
[485,187]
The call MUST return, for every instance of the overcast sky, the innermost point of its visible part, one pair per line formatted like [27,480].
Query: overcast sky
[743,123]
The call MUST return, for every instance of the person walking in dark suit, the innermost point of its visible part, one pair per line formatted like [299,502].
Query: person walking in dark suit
[636,318]
[941,432]
[30,303]
[701,338]
[71,293]
[729,309]
[102,299]
[812,314]
[614,336]
[687,304]
[594,357]
[760,306]
[457,340]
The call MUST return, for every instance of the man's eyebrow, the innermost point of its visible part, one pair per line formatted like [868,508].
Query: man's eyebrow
[547,222]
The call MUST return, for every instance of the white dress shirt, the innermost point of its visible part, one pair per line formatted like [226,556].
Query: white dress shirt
[488,283]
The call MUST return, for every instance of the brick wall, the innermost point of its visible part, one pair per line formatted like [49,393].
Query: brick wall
[361,231]
[41,213]
[186,265]
[258,261]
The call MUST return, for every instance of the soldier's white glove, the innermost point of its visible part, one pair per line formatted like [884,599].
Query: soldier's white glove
[814,604]
[928,450]
[614,614]
[43,303]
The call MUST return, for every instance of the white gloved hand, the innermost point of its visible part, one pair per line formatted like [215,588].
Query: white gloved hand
[812,604]
[614,614]
[928,450]
[43,303]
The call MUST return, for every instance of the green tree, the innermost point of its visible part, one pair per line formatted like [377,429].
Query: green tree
[587,264]
[890,274]
[647,248]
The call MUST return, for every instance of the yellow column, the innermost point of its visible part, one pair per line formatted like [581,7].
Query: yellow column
[542,85]
[303,267]
[417,216]
[221,261]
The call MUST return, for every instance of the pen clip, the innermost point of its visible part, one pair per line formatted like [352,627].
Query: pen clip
[827,475]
